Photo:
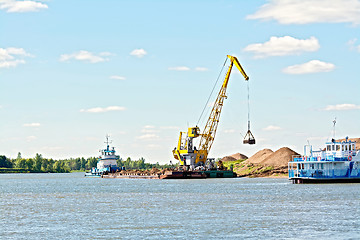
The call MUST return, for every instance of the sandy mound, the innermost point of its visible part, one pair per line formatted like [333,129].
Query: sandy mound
[228,158]
[238,156]
[234,157]
[279,158]
[259,156]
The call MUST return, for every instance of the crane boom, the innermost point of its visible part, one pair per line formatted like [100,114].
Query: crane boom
[185,152]
[208,135]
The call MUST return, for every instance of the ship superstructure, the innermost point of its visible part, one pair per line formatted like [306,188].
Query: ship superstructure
[339,161]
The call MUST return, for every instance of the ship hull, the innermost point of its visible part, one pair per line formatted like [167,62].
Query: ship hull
[324,180]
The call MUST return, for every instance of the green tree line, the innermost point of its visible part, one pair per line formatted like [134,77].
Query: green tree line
[41,164]
[140,164]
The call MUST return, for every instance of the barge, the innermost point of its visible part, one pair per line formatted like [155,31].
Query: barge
[173,174]
[198,174]
[339,162]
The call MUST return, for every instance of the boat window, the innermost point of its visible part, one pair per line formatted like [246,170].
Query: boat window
[333,147]
[343,147]
[312,166]
[303,166]
[337,147]
[322,165]
[346,147]
[328,147]
[299,166]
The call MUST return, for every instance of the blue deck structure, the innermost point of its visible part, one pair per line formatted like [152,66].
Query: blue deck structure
[338,162]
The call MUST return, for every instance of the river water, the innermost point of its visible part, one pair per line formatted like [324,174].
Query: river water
[70,206]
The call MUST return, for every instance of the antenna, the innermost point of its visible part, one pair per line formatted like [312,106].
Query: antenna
[334,122]
[107,139]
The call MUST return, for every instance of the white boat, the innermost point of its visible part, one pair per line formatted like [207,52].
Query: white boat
[107,162]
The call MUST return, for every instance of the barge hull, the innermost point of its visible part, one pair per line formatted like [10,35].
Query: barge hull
[324,180]
[176,175]
[198,174]
[131,176]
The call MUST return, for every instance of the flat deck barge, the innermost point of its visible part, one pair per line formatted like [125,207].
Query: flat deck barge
[175,175]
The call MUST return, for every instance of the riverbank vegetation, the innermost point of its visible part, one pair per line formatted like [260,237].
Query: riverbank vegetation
[39,164]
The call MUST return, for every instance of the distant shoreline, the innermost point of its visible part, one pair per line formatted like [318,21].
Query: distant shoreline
[20,170]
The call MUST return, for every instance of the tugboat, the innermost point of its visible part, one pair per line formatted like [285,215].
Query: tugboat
[106,162]
[339,162]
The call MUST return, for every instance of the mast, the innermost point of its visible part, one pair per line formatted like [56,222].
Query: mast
[334,122]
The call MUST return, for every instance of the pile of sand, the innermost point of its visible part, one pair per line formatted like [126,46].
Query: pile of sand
[265,163]
[259,156]
[234,157]
[267,157]
[280,158]
[228,158]
[239,156]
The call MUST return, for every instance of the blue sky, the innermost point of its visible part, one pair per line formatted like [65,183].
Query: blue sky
[73,71]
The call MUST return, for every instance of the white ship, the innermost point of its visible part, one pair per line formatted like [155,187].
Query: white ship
[107,162]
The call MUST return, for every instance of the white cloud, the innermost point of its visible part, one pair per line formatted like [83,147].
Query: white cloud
[13,63]
[149,129]
[313,66]
[342,107]
[11,57]
[21,6]
[282,46]
[148,136]
[201,69]
[105,109]
[138,53]
[31,124]
[16,51]
[116,77]
[84,56]
[309,11]
[272,128]
[352,44]
[179,68]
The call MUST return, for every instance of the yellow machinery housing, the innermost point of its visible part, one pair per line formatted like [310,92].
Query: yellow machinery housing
[185,152]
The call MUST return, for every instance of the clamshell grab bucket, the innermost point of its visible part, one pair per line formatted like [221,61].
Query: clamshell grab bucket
[249,138]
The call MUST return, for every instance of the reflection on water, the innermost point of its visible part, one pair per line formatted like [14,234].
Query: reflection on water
[69,206]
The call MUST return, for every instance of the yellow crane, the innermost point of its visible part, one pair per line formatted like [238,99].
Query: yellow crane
[185,152]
